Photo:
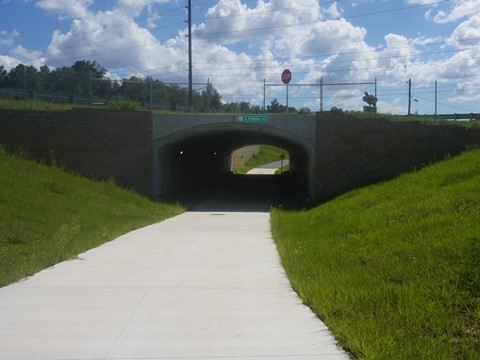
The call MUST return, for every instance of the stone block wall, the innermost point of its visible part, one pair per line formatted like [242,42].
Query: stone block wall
[352,152]
[100,144]
[109,144]
[241,156]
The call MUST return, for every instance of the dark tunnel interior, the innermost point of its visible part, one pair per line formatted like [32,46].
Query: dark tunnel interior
[198,166]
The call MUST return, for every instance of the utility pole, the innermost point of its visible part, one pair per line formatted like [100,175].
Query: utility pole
[287,98]
[90,87]
[264,93]
[435,100]
[321,94]
[409,95]
[208,95]
[190,67]
[151,94]
[24,86]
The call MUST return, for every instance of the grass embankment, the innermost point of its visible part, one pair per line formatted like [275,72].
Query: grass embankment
[425,119]
[283,169]
[34,105]
[47,215]
[266,155]
[393,269]
[42,105]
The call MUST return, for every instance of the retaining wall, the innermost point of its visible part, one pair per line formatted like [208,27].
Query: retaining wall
[349,152]
[100,144]
[241,156]
[352,152]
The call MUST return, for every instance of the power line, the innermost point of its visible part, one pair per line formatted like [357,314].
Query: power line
[132,35]
[283,65]
[318,21]
[121,24]
[337,70]
[263,12]
[396,9]
[353,53]
[348,61]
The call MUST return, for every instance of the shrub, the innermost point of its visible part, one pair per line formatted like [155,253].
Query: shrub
[124,104]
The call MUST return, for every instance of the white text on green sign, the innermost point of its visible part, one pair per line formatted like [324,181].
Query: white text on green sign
[250,118]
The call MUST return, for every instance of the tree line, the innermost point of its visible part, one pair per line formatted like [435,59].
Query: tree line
[88,79]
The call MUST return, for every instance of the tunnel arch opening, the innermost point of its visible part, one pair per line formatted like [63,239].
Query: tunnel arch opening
[267,158]
[200,158]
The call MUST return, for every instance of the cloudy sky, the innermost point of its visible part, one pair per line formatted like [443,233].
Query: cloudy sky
[237,44]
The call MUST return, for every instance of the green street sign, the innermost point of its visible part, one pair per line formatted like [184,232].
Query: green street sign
[252,118]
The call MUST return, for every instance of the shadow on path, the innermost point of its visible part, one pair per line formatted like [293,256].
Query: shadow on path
[249,193]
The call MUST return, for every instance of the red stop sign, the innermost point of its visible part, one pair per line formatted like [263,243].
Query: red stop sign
[286,76]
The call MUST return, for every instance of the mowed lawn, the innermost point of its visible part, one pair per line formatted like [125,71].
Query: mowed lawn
[47,215]
[393,269]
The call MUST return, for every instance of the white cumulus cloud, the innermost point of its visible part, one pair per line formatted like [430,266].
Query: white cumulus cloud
[66,9]
[8,37]
[467,34]
[237,44]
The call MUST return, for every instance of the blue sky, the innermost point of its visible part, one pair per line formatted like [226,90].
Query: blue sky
[237,44]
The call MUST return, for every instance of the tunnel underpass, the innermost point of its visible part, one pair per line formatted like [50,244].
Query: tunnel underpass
[195,165]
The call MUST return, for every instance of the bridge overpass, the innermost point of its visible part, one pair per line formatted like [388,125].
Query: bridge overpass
[193,149]
[159,154]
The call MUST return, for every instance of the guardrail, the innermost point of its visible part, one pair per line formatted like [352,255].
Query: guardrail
[455,117]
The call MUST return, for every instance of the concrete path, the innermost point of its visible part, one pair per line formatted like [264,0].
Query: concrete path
[268,169]
[203,285]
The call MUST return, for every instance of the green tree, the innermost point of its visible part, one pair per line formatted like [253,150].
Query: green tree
[33,79]
[135,88]
[256,109]
[82,72]
[275,107]
[231,107]
[179,96]
[211,99]
[3,77]
[245,107]
[85,78]
[16,78]
[59,81]
[160,93]
[43,78]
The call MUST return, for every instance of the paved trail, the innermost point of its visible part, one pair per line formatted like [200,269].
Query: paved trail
[269,169]
[207,284]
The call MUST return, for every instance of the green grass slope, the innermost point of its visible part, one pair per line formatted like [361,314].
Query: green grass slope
[266,155]
[47,215]
[393,269]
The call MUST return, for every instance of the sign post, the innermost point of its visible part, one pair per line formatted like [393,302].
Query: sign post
[282,157]
[286,77]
